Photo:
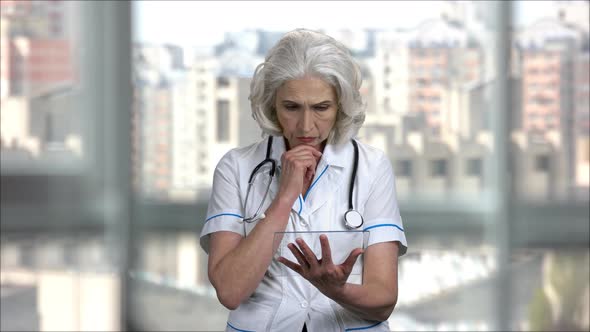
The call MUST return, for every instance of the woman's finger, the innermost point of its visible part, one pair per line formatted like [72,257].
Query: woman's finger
[298,255]
[310,257]
[310,173]
[302,154]
[292,265]
[298,154]
[307,164]
[326,251]
[306,148]
[316,153]
[351,259]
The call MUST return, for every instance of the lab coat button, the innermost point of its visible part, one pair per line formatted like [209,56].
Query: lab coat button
[304,304]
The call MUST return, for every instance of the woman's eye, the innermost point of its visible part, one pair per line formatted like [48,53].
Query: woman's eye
[321,108]
[291,107]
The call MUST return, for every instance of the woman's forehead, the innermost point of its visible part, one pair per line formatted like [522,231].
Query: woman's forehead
[307,89]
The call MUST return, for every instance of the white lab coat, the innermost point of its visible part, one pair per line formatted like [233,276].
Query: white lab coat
[285,303]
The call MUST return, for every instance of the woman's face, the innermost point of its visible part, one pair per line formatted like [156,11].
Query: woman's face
[306,110]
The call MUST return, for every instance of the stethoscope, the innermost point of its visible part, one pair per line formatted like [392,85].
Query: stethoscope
[352,218]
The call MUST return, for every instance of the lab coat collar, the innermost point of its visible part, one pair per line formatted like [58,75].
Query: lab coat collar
[335,160]
[338,154]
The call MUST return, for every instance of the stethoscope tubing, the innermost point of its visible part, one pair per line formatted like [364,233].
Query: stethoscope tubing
[351,211]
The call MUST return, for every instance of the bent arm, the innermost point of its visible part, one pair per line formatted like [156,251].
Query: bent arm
[375,299]
[236,264]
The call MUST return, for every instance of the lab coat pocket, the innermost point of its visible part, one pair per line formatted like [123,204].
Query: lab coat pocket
[250,316]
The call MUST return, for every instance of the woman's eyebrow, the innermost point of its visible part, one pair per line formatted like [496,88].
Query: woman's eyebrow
[328,102]
[287,101]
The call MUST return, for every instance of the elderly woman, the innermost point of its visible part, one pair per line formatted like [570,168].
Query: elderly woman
[306,175]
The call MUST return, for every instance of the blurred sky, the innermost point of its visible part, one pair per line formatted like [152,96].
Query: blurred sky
[202,23]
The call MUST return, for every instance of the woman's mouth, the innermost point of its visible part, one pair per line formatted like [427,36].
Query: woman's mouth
[305,139]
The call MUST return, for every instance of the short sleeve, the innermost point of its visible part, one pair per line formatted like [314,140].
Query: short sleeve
[381,215]
[224,212]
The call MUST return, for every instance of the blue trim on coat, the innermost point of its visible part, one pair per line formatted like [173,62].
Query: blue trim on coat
[224,214]
[237,329]
[361,328]
[384,225]
[316,181]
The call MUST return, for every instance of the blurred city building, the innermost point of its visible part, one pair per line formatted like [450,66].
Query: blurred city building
[187,118]
[552,66]
[428,84]
[38,72]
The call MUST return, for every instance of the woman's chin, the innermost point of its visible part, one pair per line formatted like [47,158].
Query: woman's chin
[318,145]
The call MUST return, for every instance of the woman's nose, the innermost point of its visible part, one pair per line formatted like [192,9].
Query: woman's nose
[307,120]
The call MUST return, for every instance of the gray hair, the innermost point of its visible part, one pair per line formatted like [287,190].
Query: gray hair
[300,53]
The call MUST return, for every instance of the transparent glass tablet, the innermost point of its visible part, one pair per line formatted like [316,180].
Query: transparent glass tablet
[342,243]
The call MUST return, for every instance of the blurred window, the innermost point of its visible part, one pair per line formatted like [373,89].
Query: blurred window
[404,168]
[474,167]
[223,120]
[438,168]
[542,163]
[222,82]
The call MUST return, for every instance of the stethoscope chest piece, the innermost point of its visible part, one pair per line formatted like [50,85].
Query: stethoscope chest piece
[353,219]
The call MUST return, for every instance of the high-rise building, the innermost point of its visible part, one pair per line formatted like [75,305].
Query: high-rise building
[249,131]
[548,52]
[187,119]
[582,93]
[153,119]
[582,119]
[203,77]
[184,139]
[154,130]
[36,47]
[551,60]
[415,70]
[38,66]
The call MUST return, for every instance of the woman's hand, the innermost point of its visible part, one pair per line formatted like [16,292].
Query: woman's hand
[297,166]
[323,273]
